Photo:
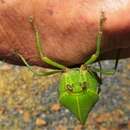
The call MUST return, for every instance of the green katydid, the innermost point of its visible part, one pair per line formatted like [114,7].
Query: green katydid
[79,88]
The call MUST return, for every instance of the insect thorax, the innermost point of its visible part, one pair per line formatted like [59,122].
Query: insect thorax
[76,81]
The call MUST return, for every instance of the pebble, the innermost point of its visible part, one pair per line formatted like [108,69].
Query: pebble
[61,127]
[40,122]
[2,110]
[129,125]
[103,117]
[103,128]
[128,66]
[78,127]
[55,107]
[26,117]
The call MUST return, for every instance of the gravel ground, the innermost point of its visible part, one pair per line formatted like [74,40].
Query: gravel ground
[31,103]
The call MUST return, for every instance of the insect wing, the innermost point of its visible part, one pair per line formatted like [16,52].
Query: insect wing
[80,105]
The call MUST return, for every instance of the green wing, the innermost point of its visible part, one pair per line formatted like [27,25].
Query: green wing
[80,105]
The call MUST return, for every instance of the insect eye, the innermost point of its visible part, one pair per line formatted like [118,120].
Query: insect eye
[84,86]
[69,87]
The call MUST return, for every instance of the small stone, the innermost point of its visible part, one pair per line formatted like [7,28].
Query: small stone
[55,107]
[6,67]
[102,128]
[40,122]
[26,117]
[129,125]
[61,127]
[103,117]
[128,106]
[2,110]
[128,66]
[78,127]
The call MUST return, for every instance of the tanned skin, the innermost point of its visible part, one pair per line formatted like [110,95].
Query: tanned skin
[68,29]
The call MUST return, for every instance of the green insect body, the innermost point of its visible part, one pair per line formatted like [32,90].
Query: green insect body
[79,92]
[79,88]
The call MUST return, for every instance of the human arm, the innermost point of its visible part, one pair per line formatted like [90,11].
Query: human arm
[68,29]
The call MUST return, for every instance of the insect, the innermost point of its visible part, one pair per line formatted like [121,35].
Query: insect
[79,88]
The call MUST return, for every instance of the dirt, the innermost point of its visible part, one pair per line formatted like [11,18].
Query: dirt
[28,102]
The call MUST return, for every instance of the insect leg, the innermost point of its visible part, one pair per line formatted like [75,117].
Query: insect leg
[112,71]
[103,71]
[38,73]
[94,57]
[100,67]
[40,50]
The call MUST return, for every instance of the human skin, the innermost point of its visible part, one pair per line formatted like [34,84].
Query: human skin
[68,29]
